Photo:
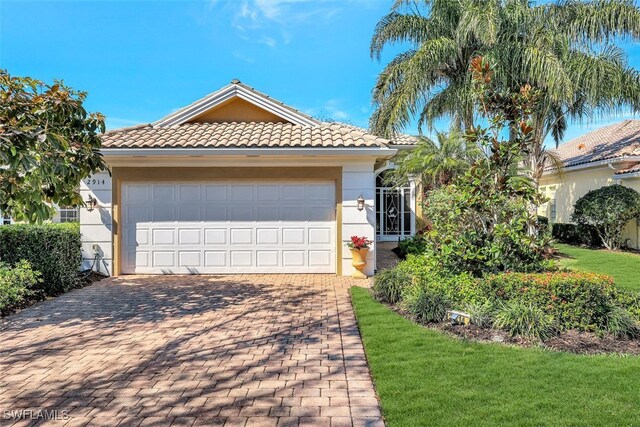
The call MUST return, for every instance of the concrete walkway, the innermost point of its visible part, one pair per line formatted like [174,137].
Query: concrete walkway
[190,350]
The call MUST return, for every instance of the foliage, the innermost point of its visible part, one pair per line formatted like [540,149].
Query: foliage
[482,313]
[608,209]
[630,301]
[412,245]
[528,320]
[576,234]
[48,144]
[15,284]
[621,323]
[425,304]
[565,48]
[485,222]
[434,163]
[388,285]
[359,242]
[576,300]
[52,249]
[502,385]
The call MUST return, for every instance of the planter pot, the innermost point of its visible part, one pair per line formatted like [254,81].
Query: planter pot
[359,262]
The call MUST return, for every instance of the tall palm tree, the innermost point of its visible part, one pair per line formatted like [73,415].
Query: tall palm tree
[434,163]
[565,49]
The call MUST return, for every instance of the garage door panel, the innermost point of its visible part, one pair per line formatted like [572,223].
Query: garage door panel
[163,193]
[190,228]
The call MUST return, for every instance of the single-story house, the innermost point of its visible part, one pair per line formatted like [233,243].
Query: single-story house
[238,182]
[609,155]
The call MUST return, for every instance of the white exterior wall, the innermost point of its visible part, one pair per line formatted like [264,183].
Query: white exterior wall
[96,226]
[358,179]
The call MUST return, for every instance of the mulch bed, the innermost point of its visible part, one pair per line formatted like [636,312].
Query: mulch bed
[569,341]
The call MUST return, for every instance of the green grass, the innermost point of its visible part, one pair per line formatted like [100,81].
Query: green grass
[623,267]
[426,378]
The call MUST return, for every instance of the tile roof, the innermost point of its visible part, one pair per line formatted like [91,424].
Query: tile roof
[240,134]
[615,141]
[632,169]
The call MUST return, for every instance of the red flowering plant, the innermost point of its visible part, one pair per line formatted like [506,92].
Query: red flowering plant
[359,242]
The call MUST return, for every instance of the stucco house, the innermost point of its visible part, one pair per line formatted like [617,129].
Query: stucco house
[238,182]
[609,155]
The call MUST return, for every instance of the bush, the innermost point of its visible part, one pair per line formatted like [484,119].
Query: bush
[16,284]
[425,305]
[526,319]
[388,285]
[608,209]
[620,323]
[575,300]
[483,231]
[630,301]
[482,313]
[52,249]
[576,234]
[414,245]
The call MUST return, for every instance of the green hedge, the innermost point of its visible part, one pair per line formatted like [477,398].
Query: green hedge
[52,249]
[573,234]
[16,284]
[576,300]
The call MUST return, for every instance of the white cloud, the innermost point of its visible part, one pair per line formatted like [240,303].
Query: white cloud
[271,22]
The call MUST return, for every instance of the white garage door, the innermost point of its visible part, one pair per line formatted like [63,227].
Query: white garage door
[230,227]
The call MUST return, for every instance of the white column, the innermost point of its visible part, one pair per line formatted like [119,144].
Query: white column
[96,227]
[358,179]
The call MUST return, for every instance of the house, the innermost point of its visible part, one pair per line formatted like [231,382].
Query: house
[238,182]
[61,215]
[609,155]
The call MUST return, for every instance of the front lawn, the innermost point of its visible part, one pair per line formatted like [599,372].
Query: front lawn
[424,377]
[623,267]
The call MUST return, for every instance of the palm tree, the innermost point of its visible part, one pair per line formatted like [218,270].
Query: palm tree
[564,49]
[434,163]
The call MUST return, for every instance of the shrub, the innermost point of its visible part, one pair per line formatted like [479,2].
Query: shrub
[576,234]
[480,230]
[575,300]
[630,301]
[608,209]
[388,285]
[620,323]
[52,249]
[526,319]
[425,305]
[15,284]
[414,245]
[482,313]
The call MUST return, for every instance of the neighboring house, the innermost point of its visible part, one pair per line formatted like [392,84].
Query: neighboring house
[238,182]
[609,155]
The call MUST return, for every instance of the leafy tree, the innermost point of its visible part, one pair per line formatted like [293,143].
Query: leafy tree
[565,49]
[609,210]
[482,222]
[434,163]
[48,144]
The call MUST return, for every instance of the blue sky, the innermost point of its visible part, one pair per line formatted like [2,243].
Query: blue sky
[140,60]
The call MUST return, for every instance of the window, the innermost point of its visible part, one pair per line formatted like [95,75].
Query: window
[69,215]
[552,210]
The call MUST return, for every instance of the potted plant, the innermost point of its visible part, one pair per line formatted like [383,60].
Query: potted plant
[359,246]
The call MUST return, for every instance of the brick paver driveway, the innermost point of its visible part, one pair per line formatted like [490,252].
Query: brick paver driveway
[182,350]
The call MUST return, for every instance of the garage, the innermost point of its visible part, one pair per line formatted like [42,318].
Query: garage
[228,227]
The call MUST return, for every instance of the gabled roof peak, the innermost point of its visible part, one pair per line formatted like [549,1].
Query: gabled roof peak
[236,89]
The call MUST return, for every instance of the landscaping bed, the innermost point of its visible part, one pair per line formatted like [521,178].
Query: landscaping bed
[427,377]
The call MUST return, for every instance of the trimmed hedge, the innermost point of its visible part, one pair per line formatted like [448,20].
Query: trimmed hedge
[573,234]
[576,300]
[16,284]
[52,249]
